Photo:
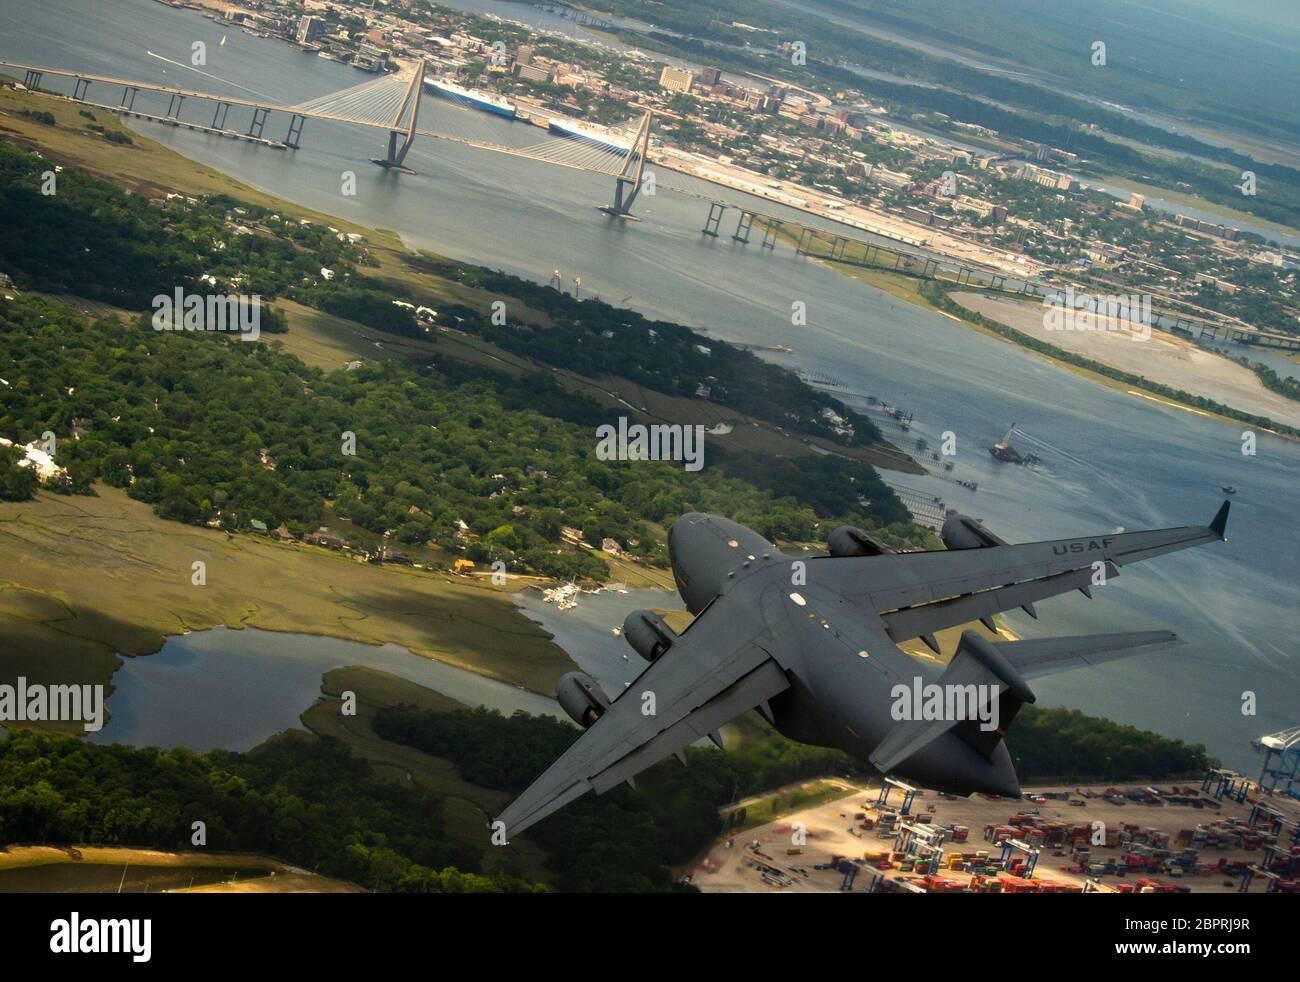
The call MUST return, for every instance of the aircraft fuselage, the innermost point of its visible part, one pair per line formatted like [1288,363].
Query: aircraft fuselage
[842,665]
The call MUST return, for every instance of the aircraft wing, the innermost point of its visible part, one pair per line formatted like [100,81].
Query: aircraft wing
[919,593]
[713,672]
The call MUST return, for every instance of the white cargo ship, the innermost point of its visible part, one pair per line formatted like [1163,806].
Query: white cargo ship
[479,100]
[598,135]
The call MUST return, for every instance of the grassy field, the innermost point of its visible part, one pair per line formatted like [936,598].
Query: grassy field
[83,577]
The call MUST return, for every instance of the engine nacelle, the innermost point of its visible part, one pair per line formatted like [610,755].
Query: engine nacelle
[849,540]
[648,634]
[963,532]
[582,698]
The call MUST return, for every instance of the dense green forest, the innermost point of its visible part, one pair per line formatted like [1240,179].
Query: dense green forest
[1065,744]
[303,800]
[92,239]
[181,422]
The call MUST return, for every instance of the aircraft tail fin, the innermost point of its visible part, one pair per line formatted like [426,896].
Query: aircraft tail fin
[978,662]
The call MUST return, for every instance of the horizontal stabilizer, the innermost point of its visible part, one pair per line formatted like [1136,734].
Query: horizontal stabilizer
[1047,656]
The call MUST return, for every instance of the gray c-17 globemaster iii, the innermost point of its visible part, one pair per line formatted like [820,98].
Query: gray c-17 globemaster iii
[813,648]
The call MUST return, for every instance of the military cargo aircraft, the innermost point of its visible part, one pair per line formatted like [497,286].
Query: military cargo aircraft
[812,645]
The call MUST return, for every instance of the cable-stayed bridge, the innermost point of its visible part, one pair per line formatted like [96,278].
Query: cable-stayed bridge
[397,104]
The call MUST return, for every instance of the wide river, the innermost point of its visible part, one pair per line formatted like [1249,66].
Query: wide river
[1110,459]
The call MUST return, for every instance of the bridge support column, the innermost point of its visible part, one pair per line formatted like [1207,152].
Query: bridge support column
[838,245]
[627,183]
[32,79]
[219,116]
[714,220]
[128,97]
[743,224]
[804,233]
[80,88]
[296,123]
[259,122]
[771,231]
[401,128]
[625,192]
[174,106]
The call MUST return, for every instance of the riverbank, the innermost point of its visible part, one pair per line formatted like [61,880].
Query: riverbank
[909,288]
[1157,355]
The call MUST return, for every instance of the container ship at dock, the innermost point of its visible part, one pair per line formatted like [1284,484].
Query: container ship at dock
[485,101]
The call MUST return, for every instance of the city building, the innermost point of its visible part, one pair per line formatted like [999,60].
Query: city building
[533,73]
[676,79]
[310,29]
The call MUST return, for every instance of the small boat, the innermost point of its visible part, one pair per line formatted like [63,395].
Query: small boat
[1229,488]
[1004,451]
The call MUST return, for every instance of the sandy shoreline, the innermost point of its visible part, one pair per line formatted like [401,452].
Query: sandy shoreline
[1159,357]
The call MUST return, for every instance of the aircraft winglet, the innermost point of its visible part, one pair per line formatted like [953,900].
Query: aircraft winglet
[1220,523]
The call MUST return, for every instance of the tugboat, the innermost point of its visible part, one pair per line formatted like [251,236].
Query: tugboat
[1004,451]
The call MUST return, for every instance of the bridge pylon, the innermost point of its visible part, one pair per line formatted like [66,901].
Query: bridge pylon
[627,184]
[401,128]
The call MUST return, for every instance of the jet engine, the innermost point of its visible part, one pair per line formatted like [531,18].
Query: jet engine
[582,698]
[849,540]
[648,634]
[963,532]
